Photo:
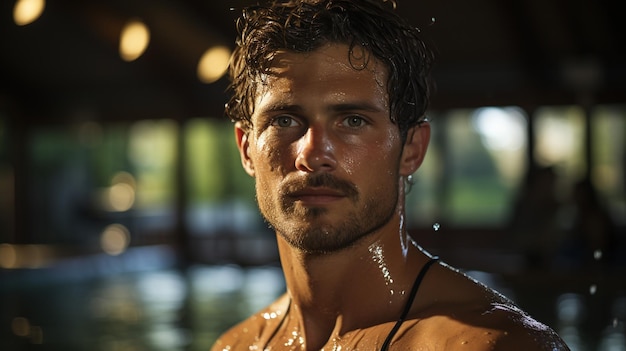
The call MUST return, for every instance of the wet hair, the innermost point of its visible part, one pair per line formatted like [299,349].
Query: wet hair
[302,26]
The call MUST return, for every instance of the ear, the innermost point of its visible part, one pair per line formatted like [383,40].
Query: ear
[243,144]
[414,149]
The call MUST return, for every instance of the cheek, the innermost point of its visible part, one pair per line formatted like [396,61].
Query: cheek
[354,162]
[388,149]
[374,156]
[269,156]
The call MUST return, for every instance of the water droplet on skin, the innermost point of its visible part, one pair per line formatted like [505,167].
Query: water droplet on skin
[597,255]
[271,315]
[404,236]
[436,226]
[592,289]
[464,342]
[379,258]
[295,341]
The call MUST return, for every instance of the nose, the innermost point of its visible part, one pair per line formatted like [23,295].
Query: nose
[316,151]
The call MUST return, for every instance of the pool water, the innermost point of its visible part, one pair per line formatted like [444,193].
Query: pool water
[169,309]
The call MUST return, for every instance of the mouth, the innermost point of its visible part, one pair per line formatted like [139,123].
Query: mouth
[316,196]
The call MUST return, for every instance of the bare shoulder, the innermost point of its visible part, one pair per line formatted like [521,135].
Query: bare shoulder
[503,326]
[464,314]
[493,327]
[255,330]
[519,331]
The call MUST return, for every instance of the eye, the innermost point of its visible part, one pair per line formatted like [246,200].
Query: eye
[354,121]
[284,122]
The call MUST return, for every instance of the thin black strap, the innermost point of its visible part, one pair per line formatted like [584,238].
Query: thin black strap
[409,303]
[280,324]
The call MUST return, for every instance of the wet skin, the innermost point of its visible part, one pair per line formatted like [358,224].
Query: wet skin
[323,150]
[329,166]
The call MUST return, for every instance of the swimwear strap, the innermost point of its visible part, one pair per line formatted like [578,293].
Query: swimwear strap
[409,303]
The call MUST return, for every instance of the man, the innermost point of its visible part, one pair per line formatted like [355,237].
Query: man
[329,101]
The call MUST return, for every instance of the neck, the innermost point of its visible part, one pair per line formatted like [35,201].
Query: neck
[329,291]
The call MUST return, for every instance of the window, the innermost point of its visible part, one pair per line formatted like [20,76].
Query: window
[221,195]
[473,167]
[560,143]
[609,155]
[561,138]
[84,178]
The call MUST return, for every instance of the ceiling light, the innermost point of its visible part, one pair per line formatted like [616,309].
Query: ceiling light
[134,40]
[213,64]
[27,11]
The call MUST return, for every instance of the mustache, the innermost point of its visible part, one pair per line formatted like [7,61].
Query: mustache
[320,180]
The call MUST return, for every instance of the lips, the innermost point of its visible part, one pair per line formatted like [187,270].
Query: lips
[317,196]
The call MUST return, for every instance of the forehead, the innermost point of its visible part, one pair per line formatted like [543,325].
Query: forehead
[337,55]
[332,68]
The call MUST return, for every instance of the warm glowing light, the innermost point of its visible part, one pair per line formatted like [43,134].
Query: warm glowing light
[115,239]
[120,196]
[8,256]
[20,326]
[556,139]
[213,64]
[24,256]
[134,40]
[27,11]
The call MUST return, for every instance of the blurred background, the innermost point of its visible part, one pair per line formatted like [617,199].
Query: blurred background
[127,223]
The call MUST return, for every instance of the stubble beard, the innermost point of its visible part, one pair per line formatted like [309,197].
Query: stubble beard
[309,229]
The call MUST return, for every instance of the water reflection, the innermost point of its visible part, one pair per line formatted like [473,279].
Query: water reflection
[168,309]
[149,310]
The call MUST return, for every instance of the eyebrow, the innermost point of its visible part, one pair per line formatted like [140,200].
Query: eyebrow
[278,107]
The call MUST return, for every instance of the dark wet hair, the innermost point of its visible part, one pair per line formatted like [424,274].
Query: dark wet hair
[305,25]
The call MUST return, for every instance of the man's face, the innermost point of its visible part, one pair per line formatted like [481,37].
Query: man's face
[323,150]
